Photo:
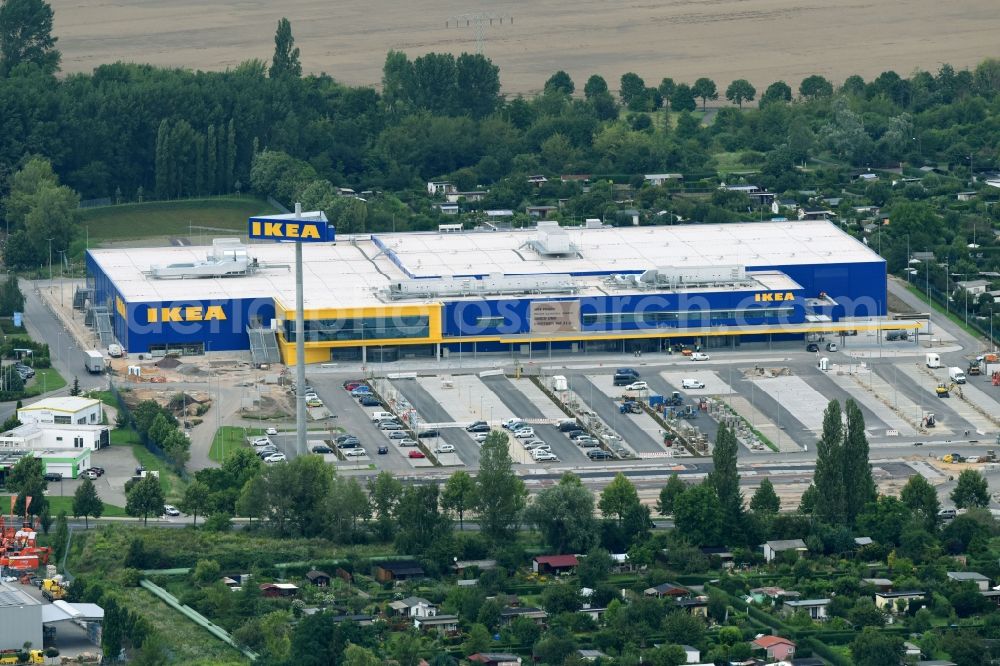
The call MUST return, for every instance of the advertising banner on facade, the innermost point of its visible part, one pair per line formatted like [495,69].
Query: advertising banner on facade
[555,316]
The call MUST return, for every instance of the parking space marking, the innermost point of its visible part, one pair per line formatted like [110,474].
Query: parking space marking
[641,432]
[965,412]
[546,407]
[431,410]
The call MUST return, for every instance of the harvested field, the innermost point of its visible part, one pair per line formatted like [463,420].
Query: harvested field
[760,40]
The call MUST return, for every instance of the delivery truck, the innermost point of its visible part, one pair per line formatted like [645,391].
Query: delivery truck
[956,375]
[93,361]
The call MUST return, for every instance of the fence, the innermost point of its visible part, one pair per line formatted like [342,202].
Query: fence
[151,446]
[957,309]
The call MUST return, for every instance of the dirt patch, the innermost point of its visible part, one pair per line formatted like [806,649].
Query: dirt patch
[759,40]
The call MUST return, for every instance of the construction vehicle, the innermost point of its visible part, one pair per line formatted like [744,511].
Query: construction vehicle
[928,420]
[18,549]
[943,389]
[675,400]
[974,368]
[630,407]
[54,588]
[23,657]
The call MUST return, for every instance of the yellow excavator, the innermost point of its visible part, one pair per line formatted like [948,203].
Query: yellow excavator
[943,389]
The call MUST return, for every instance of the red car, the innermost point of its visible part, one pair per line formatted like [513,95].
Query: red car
[417,454]
[350,386]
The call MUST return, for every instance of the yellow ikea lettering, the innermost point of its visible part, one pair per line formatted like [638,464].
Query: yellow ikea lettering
[185,314]
[771,297]
[273,229]
[284,230]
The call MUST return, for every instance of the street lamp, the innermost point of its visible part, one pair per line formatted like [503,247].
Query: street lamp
[50,258]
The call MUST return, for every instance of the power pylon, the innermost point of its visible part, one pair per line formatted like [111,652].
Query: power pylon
[479,22]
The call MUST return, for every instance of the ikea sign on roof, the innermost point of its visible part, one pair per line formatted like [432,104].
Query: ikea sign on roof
[309,228]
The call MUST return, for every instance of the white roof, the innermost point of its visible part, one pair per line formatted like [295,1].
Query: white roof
[349,273]
[64,404]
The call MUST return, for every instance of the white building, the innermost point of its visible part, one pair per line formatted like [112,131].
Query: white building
[20,618]
[53,437]
[68,410]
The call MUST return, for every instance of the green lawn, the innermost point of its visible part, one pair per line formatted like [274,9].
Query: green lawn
[229,438]
[59,503]
[124,437]
[172,485]
[46,379]
[171,218]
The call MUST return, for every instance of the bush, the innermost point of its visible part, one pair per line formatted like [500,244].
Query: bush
[218,522]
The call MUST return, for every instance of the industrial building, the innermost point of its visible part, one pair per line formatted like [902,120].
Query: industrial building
[20,618]
[380,297]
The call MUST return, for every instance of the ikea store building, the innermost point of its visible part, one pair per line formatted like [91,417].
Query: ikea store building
[382,297]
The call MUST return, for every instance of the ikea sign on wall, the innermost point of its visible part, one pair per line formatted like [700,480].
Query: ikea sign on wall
[280,228]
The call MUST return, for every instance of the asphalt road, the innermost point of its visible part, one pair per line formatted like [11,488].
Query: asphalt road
[518,403]
[707,425]
[607,409]
[432,411]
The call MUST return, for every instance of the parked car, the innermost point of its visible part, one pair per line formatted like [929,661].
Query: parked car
[532,443]
[321,448]
[355,453]
[480,436]
[397,434]
[444,448]
[525,433]
[692,384]
[268,451]
[544,456]
[53,476]
[478,426]
[349,444]
[369,401]
[276,458]
[383,449]
[170,510]
[429,433]
[537,445]
[575,433]
[360,391]
[832,346]
[314,402]
[947,514]
[271,431]
[587,443]
[568,425]
[390,425]
[261,441]
[599,454]
[415,454]
[699,356]
[578,434]
[407,441]
[98,470]
[812,347]
[637,386]
[355,382]
[89,474]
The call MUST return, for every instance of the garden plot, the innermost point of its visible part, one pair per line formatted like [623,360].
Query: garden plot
[802,401]
[466,398]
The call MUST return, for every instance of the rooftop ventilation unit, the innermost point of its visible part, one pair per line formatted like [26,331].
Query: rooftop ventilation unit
[686,277]
[551,240]
[490,285]
[228,258]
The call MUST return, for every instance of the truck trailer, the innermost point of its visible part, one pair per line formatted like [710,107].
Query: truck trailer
[93,361]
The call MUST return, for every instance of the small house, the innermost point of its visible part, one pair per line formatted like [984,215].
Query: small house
[880,584]
[981,581]
[863,541]
[773,548]
[911,650]
[437,188]
[460,566]
[814,608]
[974,286]
[965,196]
[386,572]
[557,564]
[777,648]
[478,195]
[692,655]
[318,578]
[724,554]
[412,607]
[360,620]
[274,590]
[495,659]
[509,614]
[590,655]
[697,606]
[661,178]
[447,208]
[888,601]
[540,211]
[667,590]
[537,180]
[445,624]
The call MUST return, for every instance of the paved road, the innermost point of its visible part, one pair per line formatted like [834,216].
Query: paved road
[518,403]
[432,411]
[607,409]
[705,423]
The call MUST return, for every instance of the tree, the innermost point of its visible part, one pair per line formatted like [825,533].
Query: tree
[632,88]
[144,497]
[27,481]
[564,514]
[618,497]
[74,390]
[765,500]
[86,502]
[682,98]
[815,86]
[421,525]
[829,476]
[355,655]
[704,89]
[286,55]
[971,490]
[669,494]
[196,500]
[60,538]
[385,491]
[922,499]
[595,567]
[683,628]
[459,495]
[252,502]
[859,486]
[740,91]
[479,80]
[500,492]
[726,480]
[26,36]
[560,82]
[596,85]
[876,648]
[698,515]
[779,91]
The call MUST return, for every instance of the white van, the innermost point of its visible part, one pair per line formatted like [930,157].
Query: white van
[933,360]
[956,375]
[378,416]
[115,350]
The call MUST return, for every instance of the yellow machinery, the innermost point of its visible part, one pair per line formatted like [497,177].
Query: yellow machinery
[53,588]
[944,390]
[21,657]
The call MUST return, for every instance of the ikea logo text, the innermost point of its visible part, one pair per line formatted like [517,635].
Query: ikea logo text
[185,314]
[774,296]
[291,230]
